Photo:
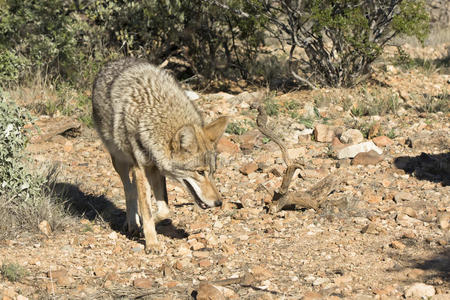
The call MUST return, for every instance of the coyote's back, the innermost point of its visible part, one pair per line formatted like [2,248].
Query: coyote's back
[150,127]
[138,107]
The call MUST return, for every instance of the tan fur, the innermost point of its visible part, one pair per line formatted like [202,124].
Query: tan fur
[151,129]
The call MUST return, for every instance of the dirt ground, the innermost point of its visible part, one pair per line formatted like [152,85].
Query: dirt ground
[382,233]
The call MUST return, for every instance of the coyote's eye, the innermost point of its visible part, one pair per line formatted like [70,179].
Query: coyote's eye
[201,173]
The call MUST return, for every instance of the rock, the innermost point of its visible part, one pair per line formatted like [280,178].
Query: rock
[352,136]
[113,235]
[227,146]
[382,141]
[61,277]
[407,221]
[403,196]
[228,293]
[207,291]
[309,111]
[370,228]
[398,245]
[312,296]
[323,133]
[430,139]
[440,296]
[143,283]
[192,95]
[49,128]
[367,158]
[443,220]
[337,145]
[261,273]
[374,130]
[353,150]
[248,168]
[420,290]
[248,139]
[45,228]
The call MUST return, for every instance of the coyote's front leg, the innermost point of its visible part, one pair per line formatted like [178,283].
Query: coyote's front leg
[148,223]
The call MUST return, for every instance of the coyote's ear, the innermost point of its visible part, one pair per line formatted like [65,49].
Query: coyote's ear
[185,140]
[215,129]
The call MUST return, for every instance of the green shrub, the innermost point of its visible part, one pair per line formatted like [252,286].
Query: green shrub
[341,38]
[12,271]
[25,198]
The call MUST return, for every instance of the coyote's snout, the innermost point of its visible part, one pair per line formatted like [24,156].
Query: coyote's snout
[151,129]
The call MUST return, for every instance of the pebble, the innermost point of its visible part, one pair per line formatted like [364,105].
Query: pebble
[382,141]
[420,290]
[351,136]
[207,291]
[367,158]
[143,283]
[353,150]
[398,245]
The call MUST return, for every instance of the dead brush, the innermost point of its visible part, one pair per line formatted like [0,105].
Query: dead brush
[314,197]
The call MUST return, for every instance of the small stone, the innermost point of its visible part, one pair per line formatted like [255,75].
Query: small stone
[312,296]
[370,228]
[323,133]
[61,277]
[200,254]
[352,136]
[261,273]
[398,245]
[353,150]
[207,291]
[227,146]
[403,196]
[45,228]
[113,235]
[382,141]
[204,263]
[374,130]
[320,281]
[367,158]
[228,293]
[420,290]
[172,284]
[99,271]
[443,220]
[143,283]
[248,168]
[191,95]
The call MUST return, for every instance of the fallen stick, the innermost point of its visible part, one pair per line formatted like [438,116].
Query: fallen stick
[314,197]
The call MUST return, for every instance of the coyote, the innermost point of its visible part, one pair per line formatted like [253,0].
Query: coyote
[152,129]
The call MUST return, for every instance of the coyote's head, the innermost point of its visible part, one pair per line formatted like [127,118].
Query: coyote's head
[194,160]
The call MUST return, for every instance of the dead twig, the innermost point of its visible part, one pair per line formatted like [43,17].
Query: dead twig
[312,198]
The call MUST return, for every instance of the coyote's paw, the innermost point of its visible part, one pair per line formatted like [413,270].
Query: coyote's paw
[154,248]
[163,212]
[132,230]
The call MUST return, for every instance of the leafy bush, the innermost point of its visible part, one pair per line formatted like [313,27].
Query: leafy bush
[25,199]
[12,271]
[340,38]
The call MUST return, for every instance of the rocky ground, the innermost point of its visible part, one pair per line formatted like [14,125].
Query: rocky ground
[382,233]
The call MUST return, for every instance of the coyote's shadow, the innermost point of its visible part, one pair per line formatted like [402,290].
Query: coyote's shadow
[91,207]
[431,167]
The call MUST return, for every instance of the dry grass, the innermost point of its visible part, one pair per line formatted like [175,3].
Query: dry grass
[22,212]
[42,97]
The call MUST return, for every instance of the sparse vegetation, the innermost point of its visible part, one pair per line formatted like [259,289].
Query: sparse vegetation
[25,198]
[12,271]
[236,128]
